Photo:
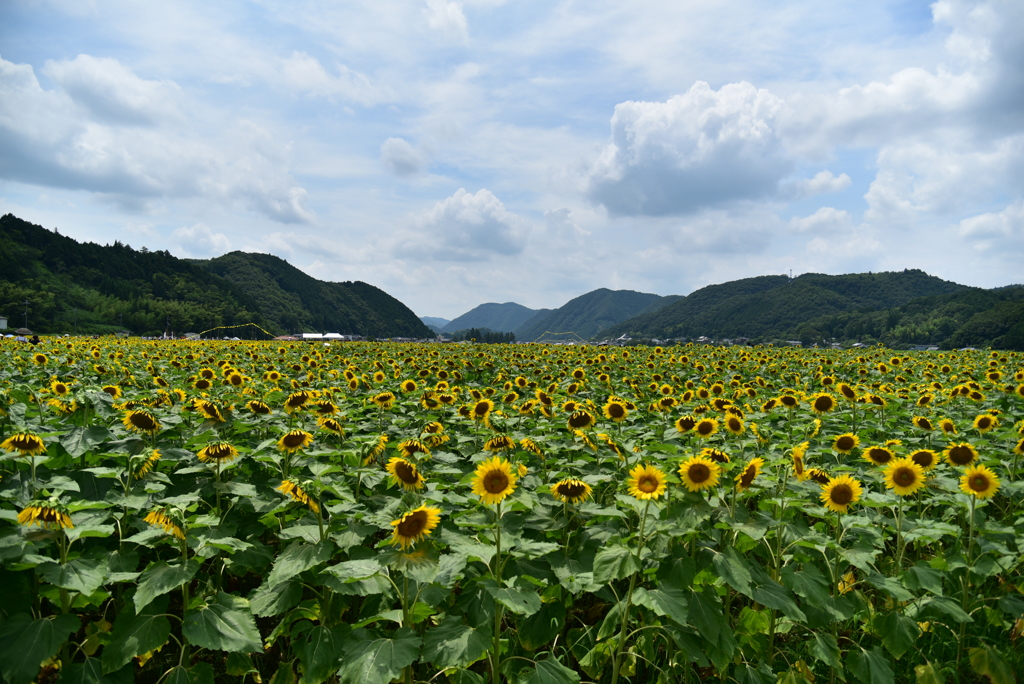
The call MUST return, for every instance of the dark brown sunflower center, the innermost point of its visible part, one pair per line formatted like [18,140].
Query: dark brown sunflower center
[143,421]
[406,472]
[481,409]
[572,490]
[984,423]
[904,477]
[293,440]
[686,423]
[698,472]
[580,419]
[616,410]
[705,427]
[822,404]
[202,384]
[495,482]
[647,484]
[961,455]
[788,401]
[235,380]
[747,478]
[413,524]
[924,424]
[841,494]
[24,442]
[880,455]
[844,443]
[735,425]
[978,483]
[922,458]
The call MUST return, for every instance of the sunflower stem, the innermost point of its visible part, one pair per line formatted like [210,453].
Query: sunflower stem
[624,623]
[966,584]
[496,571]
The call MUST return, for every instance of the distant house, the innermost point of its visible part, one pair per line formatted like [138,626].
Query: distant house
[312,336]
[3,322]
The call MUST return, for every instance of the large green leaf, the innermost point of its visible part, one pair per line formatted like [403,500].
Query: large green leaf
[705,613]
[160,578]
[79,440]
[91,672]
[614,562]
[370,660]
[987,662]
[733,570]
[521,602]
[927,674]
[225,623]
[890,586]
[136,634]
[550,671]
[299,557]
[670,603]
[774,595]
[870,667]
[320,653]
[540,628]
[898,632]
[25,643]
[274,600]
[825,648]
[200,673]
[84,575]
[454,644]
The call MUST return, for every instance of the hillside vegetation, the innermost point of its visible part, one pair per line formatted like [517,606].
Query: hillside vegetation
[497,317]
[89,288]
[587,314]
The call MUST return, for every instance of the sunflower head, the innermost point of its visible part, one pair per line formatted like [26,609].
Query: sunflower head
[47,514]
[259,408]
[922,423]
[980,482]
[845,443]
[947,426]
[822,403]
[879,455]
[716,455]
[294,440]
[926,458]
[705,427]
[985,422]
[167,521]
[218,452]
[960,454]
[571,491]
[141,421]
[818,475]
[494,480]
[840,493]
[616,411]
[580,420]
[749,473]
[646,482]
[499,443]
[25,443]
[332,425]
[414,525]
[414,448]
[297,493]
[904,476]
[699,473]
[685,424]
[209,411]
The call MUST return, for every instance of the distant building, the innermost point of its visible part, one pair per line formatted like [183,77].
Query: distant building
[3,322]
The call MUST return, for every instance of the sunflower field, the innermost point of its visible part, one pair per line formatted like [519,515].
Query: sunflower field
[191,512]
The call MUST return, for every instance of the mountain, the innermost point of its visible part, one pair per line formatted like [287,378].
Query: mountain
[777,306]
[298,302]
[497,317]
[585,315]
[96,289]
[434,323]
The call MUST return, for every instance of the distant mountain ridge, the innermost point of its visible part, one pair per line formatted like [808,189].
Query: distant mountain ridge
[584,316]
[497,317]
[90,288]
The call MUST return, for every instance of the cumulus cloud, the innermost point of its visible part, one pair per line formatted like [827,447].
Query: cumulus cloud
[465,227]
[822,182]
[305,73]
[111,92]
[447,19]
[995,230]
[824,220]
[401,158]
[105,135]
[200,241]
[701,149]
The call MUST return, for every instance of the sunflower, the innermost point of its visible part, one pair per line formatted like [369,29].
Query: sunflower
[141,421]
[789,401]
[798,461]
[160,519]
[947,426]
[294,441]
[494,480]
[847,391]
[845,443]
[202,384]
[879,455]
[46,514]
[383,400]
[218,452]
[25,443]
[767,406]
[499,443]
[699,473]
[147,464]
[113,390]
[616,411]
[715,455]
[414,525]
[840,493]
[904,476]
[60,388]
[1019,449]
[332,425]
[377,449]
[580,420]
[749,473]
[822,403]
[404,474]
[571,491]
[979,481]
[414,448]
[39,359]
[210,411]
[297,493]
[646,482]
[960,454]
[258,407]
[429,401]
[923,423]
[705,427]
[926,458]
[408,386]
[734,425]
[482,409]
[325,407]
[985,422]
[818,475]
[685,424]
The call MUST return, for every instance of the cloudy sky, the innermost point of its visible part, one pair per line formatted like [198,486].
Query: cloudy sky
[459,152]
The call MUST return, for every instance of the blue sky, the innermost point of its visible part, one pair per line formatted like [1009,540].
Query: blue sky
[455,153]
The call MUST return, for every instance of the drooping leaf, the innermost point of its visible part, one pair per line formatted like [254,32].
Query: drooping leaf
[898,632]
[225,623]
[84,575]
[987,662]
[160,578]
[825,649]
[550,671]
[733,570]
[371,660]
[540,628]
[274,600]
[297,558]
[705,613]
[667,602]
[25,643]
[870,667]
[614,562]
[134,634]
[320,652]
[454,644]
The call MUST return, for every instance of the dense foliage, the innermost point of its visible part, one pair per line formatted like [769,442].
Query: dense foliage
[483,335]
[586,315]
[498,317]
[364,513]
[89,288]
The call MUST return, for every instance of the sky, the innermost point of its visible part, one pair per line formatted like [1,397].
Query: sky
[460,152]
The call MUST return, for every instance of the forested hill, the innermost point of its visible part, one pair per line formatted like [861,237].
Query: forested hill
[777,306]
[296,301]
[498,317]
[585,315]
[90,288]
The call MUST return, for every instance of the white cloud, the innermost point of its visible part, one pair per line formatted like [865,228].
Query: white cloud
[200,241]
[1001,231]
[822,182]
[464,227]
[824,220]
[112,93]
[305,73]
[704,148]
[401,158]
[447,19]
